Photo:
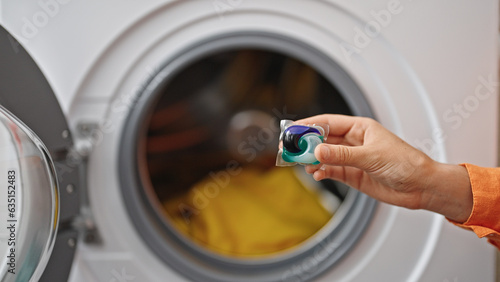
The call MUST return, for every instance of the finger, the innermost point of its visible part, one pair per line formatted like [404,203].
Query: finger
[348,175]
[353,177]
[339,125]
[340,155]
[335,140]
[319,175]
[328,173]
[312,168]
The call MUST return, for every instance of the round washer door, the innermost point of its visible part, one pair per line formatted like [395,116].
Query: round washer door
[30,201]
[33,131]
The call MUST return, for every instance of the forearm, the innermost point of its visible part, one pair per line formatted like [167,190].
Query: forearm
[449,192]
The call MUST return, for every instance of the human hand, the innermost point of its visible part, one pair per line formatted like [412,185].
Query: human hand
[361,153]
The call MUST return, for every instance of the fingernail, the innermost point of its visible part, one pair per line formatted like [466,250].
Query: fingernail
[325,153]
[316,176]
[322,167]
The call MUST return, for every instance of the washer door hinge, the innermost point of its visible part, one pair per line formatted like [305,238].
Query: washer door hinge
[75,211]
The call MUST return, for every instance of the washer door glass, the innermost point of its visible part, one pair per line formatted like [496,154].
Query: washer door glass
[29,201]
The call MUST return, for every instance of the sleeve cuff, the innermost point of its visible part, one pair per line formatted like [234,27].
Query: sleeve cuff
[484,219]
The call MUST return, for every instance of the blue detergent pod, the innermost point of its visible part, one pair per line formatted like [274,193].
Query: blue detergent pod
[298,142]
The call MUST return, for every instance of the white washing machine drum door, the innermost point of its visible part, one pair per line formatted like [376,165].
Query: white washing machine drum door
[30,210]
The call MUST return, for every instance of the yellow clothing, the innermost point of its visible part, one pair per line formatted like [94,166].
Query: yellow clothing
[255,213]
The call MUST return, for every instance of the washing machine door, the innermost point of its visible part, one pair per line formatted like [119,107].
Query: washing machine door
[33,133]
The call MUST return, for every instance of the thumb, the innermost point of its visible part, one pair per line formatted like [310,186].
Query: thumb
[340,155]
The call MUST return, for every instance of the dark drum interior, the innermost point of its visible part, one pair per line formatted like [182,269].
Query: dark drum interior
[210,152]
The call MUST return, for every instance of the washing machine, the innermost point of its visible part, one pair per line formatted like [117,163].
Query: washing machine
[129,130]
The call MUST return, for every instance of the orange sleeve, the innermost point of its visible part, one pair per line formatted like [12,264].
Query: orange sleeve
[485,216]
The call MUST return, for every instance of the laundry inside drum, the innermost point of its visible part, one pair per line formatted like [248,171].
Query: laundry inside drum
[211,146]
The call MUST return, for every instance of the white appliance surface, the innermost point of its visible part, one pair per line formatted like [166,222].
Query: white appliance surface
[427,68]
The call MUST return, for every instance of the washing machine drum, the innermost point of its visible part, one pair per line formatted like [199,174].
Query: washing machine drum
[197,162]
[211,153]
[34,137]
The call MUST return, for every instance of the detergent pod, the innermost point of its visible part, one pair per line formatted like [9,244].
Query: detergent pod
[297,143]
